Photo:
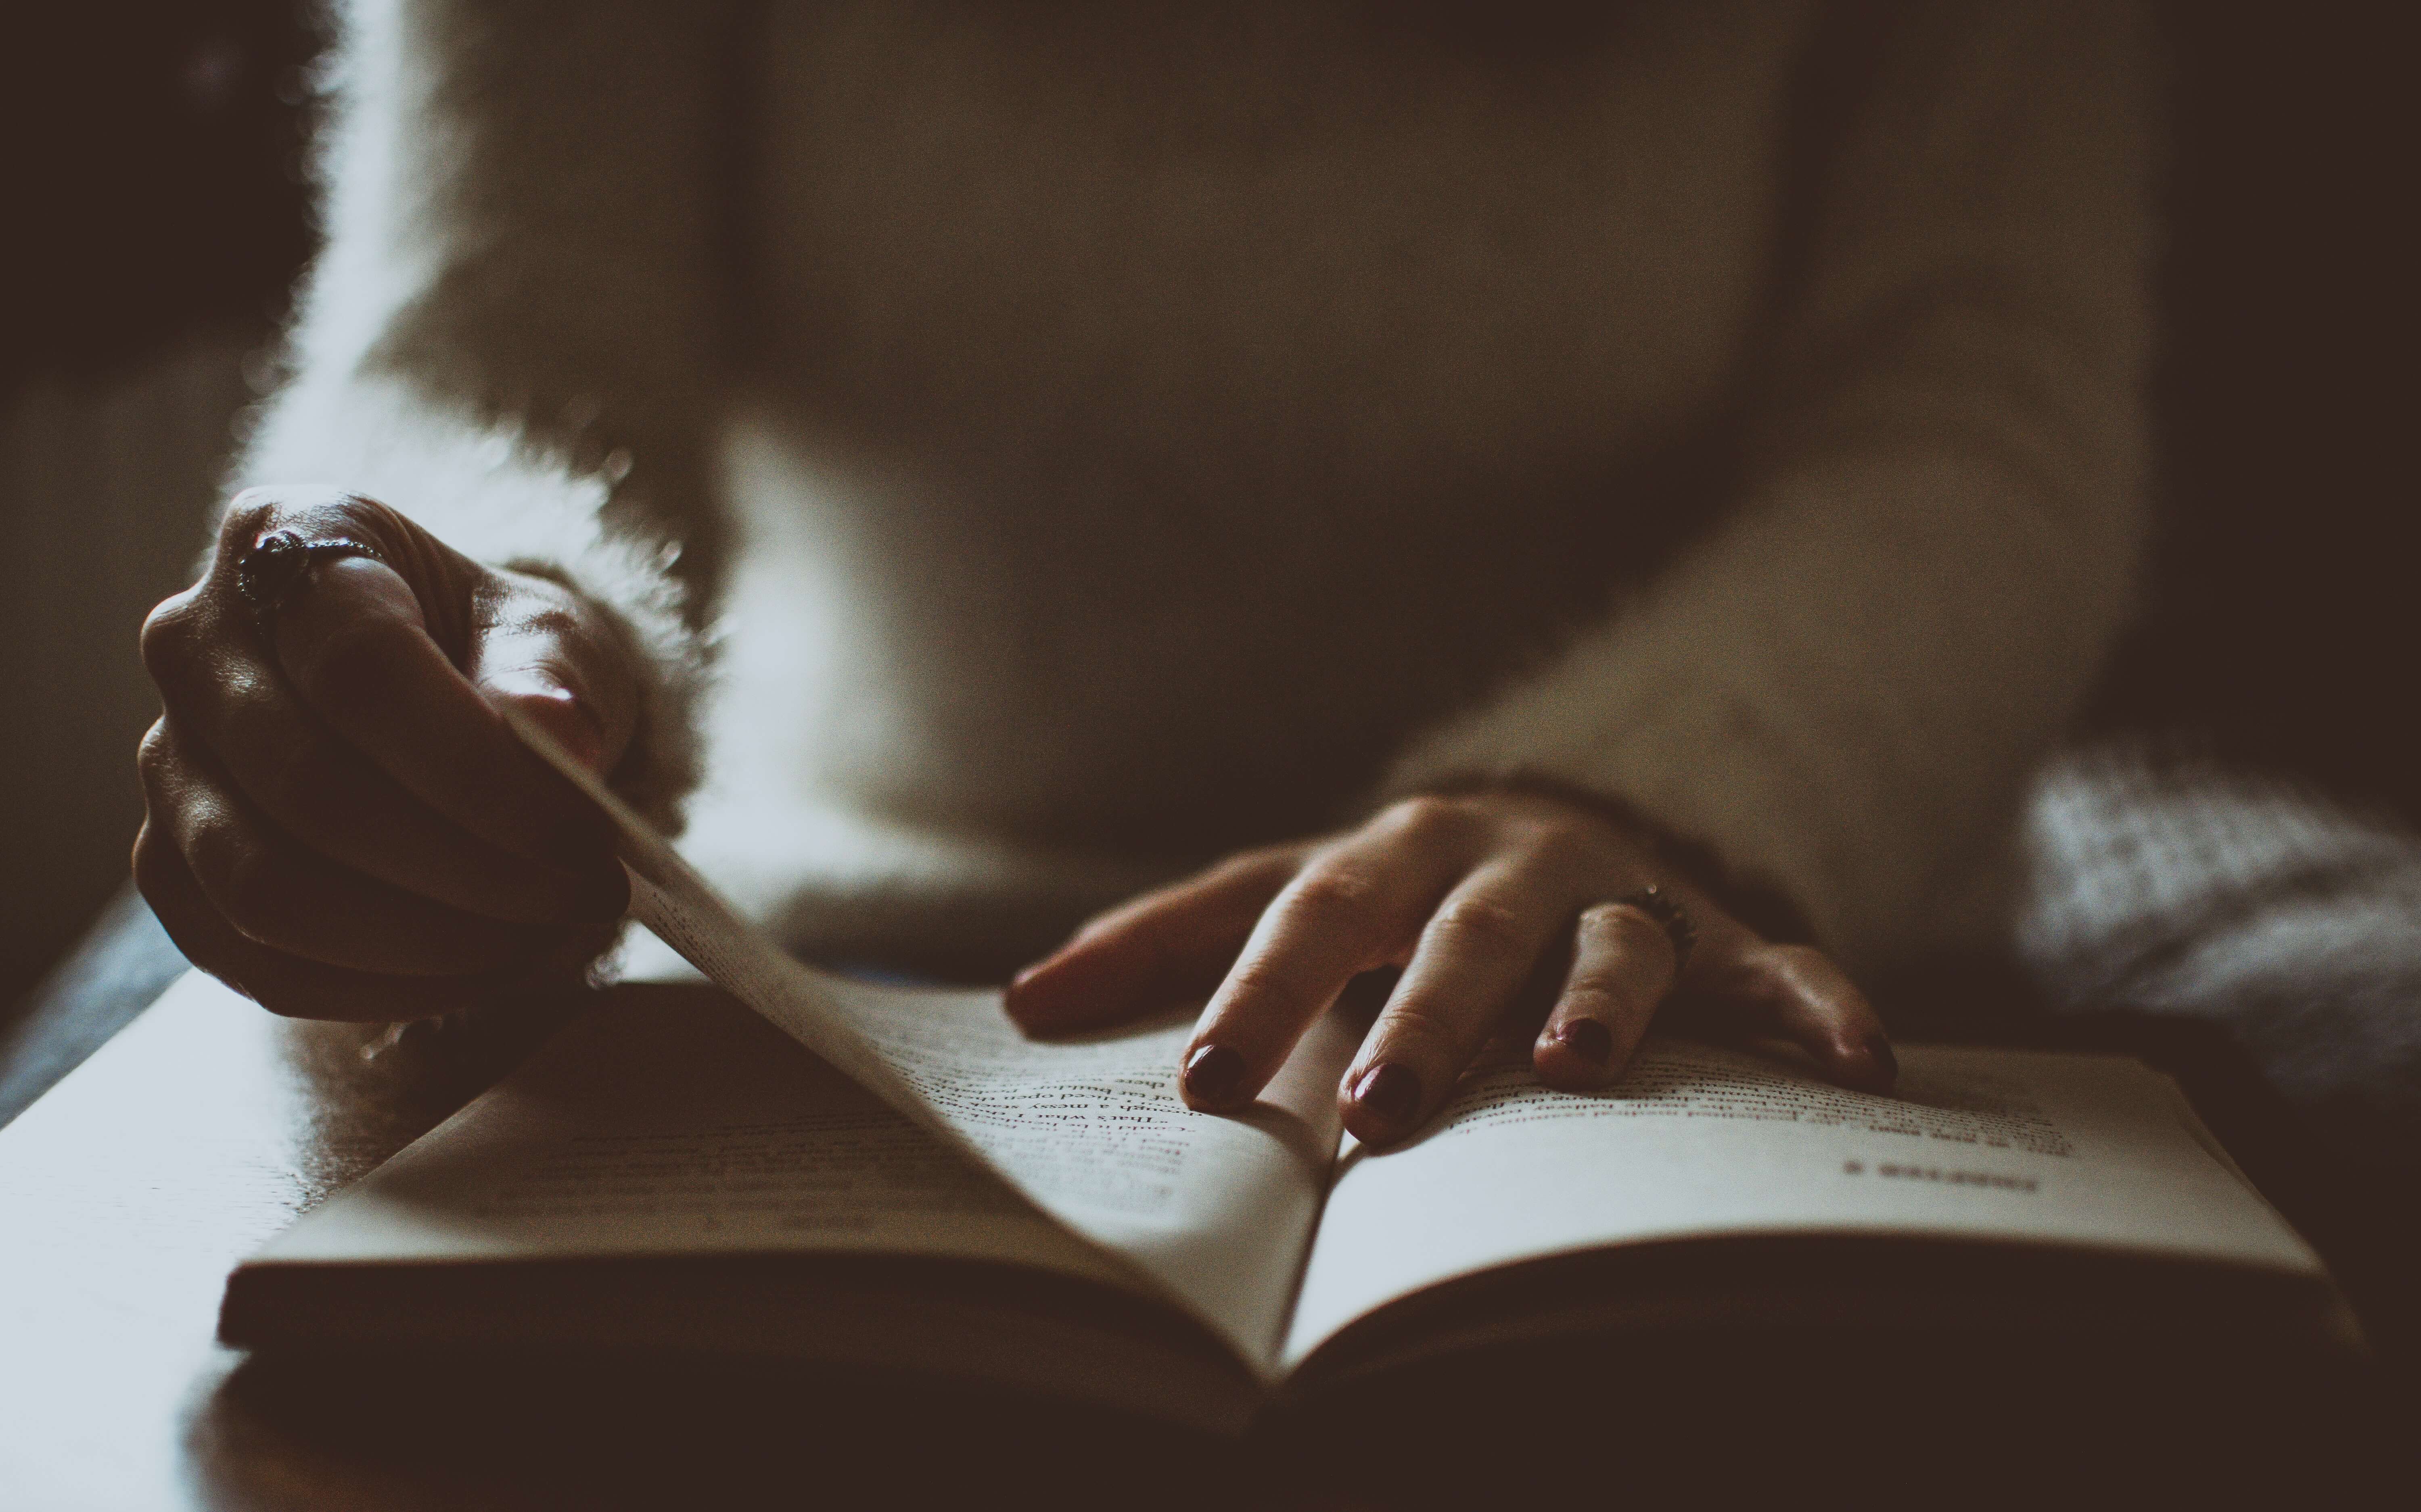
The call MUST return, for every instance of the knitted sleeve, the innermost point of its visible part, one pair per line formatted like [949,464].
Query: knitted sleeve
[1842,688]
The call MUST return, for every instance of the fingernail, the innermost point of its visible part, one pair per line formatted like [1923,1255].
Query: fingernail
[1879,1051]
[1588,1039]
[1212,1073]
[1389,1091]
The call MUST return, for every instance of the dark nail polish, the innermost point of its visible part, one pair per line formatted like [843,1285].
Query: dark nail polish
[1390,1091]
[1212,1073]
[1588,1039]
[1879,1051]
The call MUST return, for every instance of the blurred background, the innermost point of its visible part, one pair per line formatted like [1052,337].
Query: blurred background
[157,202]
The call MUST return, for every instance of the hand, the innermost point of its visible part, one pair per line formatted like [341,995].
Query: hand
[1479,898]
[337,823]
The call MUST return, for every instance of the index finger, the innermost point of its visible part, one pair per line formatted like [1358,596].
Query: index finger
[1357,907]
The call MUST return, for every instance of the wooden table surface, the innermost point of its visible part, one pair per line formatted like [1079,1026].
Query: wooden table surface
[129,1190]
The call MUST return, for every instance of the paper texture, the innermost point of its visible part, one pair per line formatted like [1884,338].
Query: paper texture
[2002,1144]
[672,1122]
[670,1140]
[1214,1211]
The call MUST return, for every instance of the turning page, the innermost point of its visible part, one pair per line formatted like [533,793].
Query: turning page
[1219,1209]
[670,1121]
[2093,1150]
[1213,1212]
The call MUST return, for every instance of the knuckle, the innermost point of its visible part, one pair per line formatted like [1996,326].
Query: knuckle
[1486,924]
[153,756]
[170,638]
[1427,818]
[1335,898]
[1567,847]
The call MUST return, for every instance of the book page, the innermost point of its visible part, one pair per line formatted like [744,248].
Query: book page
[1216,1211]
[670,1121]
[1219,1208]
[1697,1141]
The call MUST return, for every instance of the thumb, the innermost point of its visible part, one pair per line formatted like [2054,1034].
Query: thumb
[560,713]
[563,671]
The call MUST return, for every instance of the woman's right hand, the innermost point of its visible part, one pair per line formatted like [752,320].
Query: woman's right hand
[338,821]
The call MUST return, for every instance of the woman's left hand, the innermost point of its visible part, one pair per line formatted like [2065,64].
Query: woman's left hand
[1483,899]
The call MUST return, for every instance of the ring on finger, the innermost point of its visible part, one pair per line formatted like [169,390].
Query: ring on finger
[266,575]
[1669,915]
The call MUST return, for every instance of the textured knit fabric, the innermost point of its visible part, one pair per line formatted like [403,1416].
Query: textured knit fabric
[1099,437]
[2163,880]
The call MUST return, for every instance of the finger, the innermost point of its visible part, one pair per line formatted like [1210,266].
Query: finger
[1357,906]
[328,796]
[213,638]
[1161,949]
[1797,993]
[1476,953]
[289,898]
[536,649]
[354,647]
[286,984]
[1623,966]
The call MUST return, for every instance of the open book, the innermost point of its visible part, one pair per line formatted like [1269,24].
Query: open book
[930,1191]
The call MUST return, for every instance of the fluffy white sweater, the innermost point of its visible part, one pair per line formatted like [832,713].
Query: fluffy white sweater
[1099,436]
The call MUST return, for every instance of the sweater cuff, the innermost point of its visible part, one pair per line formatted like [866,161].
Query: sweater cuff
[501,499]
[1685,776]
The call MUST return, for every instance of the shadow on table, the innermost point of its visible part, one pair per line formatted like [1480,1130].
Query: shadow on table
[1891,1421]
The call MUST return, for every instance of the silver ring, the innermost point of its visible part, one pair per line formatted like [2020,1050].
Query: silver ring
[1669,915]
[267,575]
